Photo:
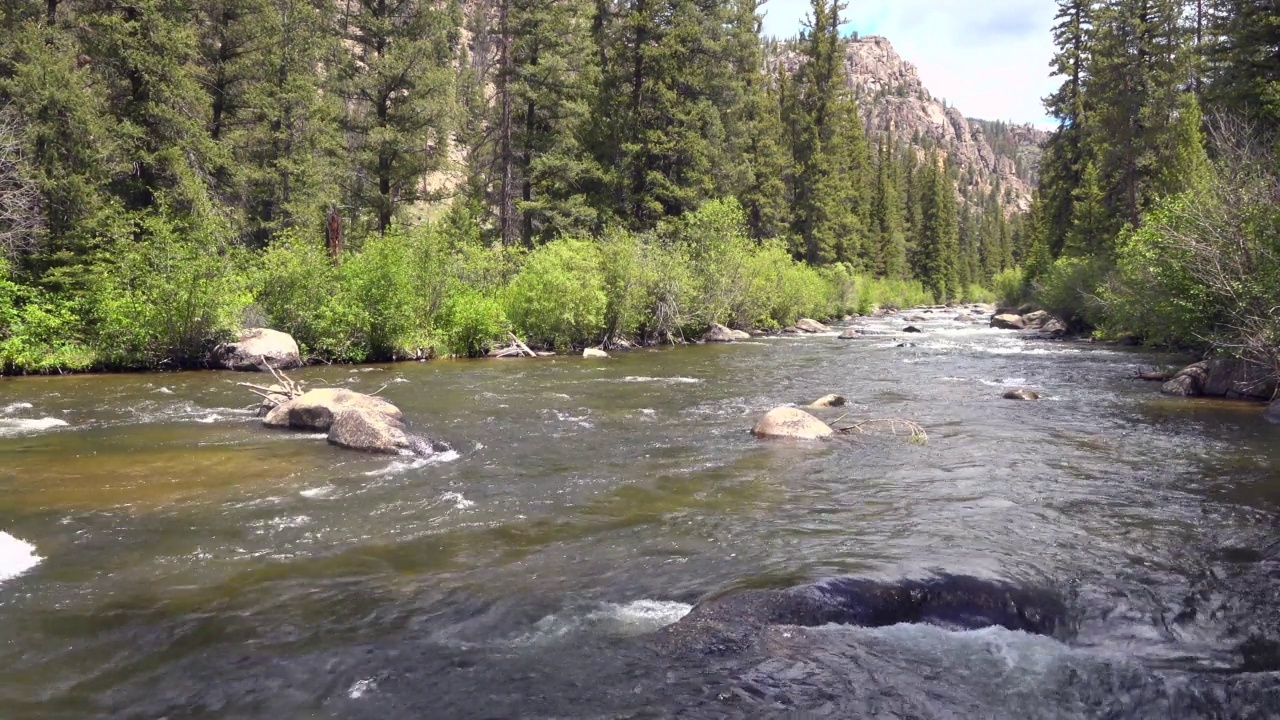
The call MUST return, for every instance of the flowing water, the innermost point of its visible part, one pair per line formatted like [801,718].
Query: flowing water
[162,555]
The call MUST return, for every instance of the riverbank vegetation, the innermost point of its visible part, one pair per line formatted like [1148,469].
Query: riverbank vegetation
[1150,220]
[411,178]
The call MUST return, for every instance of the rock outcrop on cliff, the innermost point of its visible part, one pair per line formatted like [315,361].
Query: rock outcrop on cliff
[891,96]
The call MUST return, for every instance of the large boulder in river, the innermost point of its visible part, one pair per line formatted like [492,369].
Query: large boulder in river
[1237,379]
[1007,322]
[721,334]
[1189,381]
[1021,394]
[1273,412]
[1036,319]
[849,334]
[315,410]
[373,431]
[791,424]
[258,349]
[1223,377]
[811,326]
[595,353]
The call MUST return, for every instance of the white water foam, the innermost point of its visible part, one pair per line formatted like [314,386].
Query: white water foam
[637,617]
[13,427]
[671,380]
[319,493]
[15,407]
[459,502]
[398,466]
[16,556]
[360,687]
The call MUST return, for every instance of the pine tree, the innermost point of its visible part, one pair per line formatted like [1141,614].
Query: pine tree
[1064,155]
[828,147]
[659,128]
[757,141]
[398,89]
[886,214]
[145,55]
[268,106]
[1138,67]
[553,73]
[68,137]
[1244,60]
[938,253]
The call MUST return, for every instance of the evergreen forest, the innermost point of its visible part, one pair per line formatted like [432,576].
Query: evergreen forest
[392,179]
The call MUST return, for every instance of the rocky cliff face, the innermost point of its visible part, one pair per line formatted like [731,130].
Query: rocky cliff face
[891,96]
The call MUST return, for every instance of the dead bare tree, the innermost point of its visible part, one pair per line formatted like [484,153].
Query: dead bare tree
[21,216]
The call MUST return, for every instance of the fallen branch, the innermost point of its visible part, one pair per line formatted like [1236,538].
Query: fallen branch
[523,348]
[917,432]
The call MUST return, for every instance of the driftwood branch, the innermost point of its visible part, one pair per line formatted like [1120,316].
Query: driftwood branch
[523,348]
[895,426]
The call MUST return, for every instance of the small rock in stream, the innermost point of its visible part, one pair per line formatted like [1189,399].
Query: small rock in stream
[829,401]
[1021,394]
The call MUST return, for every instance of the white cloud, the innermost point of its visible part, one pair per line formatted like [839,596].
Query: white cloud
[990,58]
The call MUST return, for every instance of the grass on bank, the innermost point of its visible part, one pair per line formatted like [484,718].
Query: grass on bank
[168,298]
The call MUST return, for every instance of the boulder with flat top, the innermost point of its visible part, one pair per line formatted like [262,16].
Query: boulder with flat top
[315,410]
[259,349]
[1007,321]
[811,326]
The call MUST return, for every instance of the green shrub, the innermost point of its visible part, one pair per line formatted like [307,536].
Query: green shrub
[296,286]
[1069,289]
[167,296]
[380,297]
[38,333]
[1010,287]
[470,322]
[558,298]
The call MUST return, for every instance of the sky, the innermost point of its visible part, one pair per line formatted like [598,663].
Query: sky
[990,58]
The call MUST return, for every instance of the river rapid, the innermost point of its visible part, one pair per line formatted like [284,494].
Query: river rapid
[163,555]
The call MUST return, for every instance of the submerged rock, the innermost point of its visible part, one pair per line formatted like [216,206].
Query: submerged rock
[850,334]
[315,410]
[829,401]
[912,329]
[258,349]
[1021,394]
[811,326]
[1273,412]
[595,353]
[963,317]
[792,424]
[1007,322]
[733,623]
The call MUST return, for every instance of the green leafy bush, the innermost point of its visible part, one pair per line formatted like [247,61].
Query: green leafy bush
[38,333]
[558,298]
[1010,287]
[168,296]
[1069,289]
[470,322]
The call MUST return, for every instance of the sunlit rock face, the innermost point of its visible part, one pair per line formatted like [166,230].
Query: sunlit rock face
[892,97]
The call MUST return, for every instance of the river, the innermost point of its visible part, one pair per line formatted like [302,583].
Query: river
[162,555]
